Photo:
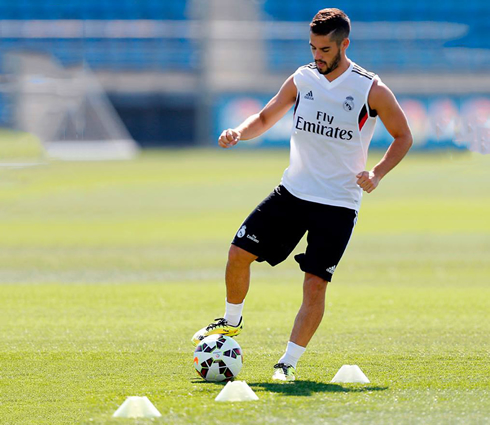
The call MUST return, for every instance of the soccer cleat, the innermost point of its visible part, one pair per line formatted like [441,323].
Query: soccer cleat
[219,326]
[284,372]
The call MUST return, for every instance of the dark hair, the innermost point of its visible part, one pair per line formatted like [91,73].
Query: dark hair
[331,21]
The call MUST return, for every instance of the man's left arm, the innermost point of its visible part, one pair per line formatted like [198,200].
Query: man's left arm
[382,99]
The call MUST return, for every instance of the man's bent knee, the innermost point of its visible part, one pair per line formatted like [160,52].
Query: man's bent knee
[314,284]
[237,255]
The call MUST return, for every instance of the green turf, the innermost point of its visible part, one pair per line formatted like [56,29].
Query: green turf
[107,269]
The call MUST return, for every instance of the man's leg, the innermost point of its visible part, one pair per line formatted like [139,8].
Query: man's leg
[262,233]
[311,311]
[306,323]
[237,284]
[329,231]
[238,274]
[237,280]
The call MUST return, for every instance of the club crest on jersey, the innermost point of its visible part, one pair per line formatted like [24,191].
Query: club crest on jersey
[349,103]
[309,95]
[241,232]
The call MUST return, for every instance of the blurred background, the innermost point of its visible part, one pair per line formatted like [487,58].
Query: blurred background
[100,79]
[100,259]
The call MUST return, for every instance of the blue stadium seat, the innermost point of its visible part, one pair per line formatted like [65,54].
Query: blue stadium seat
[93,9]
[106,53]
[421,54]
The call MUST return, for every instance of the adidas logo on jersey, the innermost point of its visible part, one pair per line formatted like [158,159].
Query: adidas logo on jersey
[331,269]
[309,95]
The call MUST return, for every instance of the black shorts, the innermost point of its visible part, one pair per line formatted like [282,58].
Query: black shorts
[276,226]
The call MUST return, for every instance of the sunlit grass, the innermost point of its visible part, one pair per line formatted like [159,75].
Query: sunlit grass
[107,269]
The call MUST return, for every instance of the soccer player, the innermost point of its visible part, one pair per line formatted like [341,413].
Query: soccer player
[336,104]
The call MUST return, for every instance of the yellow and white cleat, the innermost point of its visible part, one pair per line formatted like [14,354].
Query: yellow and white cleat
[219,326]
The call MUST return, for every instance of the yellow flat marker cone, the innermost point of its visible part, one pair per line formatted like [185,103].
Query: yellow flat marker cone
[350,374]
[137,407]
[236,391]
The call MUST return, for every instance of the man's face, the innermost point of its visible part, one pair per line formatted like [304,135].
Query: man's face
[326,53]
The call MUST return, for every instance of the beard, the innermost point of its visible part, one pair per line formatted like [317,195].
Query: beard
[332,66]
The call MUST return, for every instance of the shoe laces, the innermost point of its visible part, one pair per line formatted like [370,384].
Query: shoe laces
[282,366]
[220,321]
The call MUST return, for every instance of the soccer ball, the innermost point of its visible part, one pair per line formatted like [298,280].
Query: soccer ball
[218,358]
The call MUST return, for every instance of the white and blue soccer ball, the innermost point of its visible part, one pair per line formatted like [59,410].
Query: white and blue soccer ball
[218,358]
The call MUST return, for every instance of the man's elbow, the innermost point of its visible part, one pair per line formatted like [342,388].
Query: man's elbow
[405,140]
[409,140]
[263,119]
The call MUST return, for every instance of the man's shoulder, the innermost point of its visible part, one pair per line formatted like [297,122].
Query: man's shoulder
[310,65]
[306,74]
[380,94]
[359,70]
[308,69]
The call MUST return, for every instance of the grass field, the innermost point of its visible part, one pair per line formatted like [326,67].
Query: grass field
[107,269]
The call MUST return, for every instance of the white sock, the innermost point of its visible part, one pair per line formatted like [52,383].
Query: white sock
[292,354]
[233,313]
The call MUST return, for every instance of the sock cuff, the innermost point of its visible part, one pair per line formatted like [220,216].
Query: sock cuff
[233,313]
[234,308]
[233,305]
[295,350]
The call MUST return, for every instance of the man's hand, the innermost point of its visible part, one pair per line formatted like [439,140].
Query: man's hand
[229,138]
[367,181]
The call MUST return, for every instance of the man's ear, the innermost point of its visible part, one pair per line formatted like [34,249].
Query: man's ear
[345,43]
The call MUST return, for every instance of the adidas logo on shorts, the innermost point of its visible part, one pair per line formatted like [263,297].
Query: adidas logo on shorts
[331,269]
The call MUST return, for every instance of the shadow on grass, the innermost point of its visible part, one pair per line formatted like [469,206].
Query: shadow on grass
[202,381]
[302,388]
[306,388]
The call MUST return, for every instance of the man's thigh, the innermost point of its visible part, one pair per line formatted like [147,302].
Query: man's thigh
[274,228]
[329,231]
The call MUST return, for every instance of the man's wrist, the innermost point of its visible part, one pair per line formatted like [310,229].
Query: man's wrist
[378,173]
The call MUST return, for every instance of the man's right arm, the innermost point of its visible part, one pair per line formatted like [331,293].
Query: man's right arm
[259,123]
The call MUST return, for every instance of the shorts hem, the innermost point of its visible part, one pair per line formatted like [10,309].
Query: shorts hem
[260,258]
[324,275]
[245,248]
[308,268]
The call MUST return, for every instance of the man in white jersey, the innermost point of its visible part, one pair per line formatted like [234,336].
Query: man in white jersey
[336,103]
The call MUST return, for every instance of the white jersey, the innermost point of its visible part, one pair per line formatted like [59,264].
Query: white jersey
[333,126]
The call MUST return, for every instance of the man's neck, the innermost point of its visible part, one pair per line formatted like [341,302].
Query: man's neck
[337,72]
